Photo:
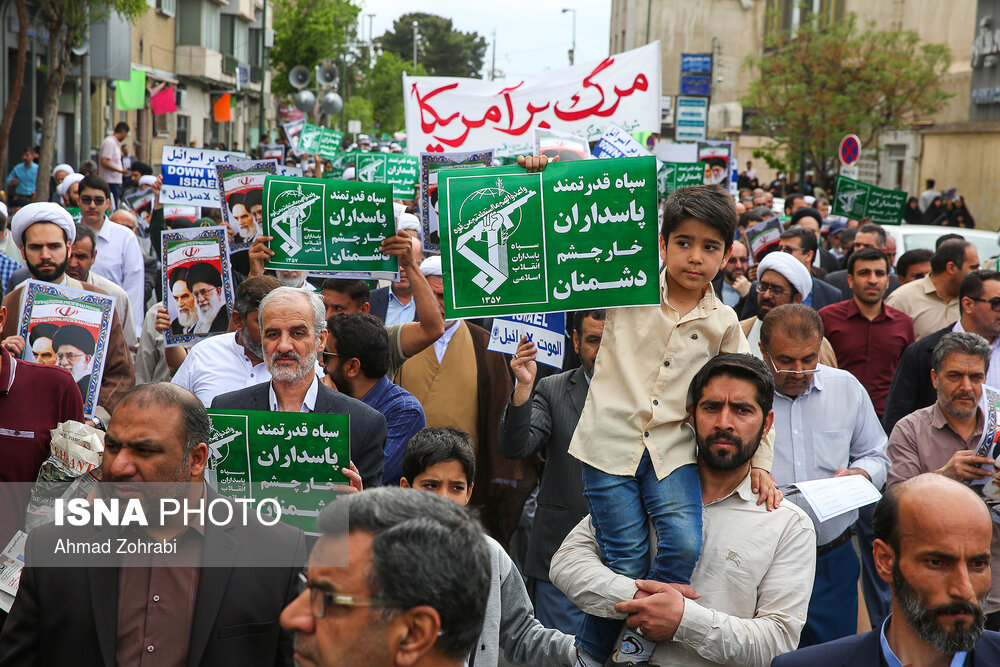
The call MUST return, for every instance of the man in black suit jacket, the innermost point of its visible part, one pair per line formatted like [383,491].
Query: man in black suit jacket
[731,281]
[933,546]
[246,573]
[293,332]
[911,387]
[544,425]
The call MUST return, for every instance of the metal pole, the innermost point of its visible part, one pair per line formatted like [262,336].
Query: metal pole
[572,54]
[415,26]
[493,65]
[572,51]
[649,12]
[85,106]
[263,73]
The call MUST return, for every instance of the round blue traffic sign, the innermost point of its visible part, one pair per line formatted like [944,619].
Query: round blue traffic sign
[850,149]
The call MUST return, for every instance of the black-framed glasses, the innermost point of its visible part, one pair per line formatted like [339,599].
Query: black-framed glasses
[790,249]
[776,292]
[97,201]
[994,303]
[320,600]
[326,355]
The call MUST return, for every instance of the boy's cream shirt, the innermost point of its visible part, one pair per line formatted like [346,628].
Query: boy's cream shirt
[638,396]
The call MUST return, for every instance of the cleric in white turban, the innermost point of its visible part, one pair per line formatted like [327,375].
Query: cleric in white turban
[42,212]
[792,269]
[431,266]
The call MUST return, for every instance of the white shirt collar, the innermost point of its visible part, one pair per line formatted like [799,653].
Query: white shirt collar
[308,404]
[441,344]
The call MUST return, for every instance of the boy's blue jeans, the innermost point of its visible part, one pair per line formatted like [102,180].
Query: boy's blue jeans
[621,508]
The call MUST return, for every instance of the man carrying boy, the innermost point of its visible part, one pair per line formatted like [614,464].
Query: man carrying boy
[638,458]
[442,461]
[755,573]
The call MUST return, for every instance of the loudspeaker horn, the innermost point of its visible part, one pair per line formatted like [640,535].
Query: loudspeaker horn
[299,77]
[82,47]
[326,75]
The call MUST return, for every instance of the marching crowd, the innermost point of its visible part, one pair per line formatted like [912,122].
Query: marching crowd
[637,506]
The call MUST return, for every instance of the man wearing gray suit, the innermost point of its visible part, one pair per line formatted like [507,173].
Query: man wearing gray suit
[293,332]
[542,422]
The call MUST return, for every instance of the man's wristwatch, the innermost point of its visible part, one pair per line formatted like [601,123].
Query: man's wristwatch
[99,423]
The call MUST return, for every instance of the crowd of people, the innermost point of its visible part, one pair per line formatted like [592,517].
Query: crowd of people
[634,507]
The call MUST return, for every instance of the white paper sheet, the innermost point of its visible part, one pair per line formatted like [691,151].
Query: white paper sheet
[836,495]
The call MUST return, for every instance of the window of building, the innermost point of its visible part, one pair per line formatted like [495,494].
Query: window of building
[198,24]
[167,7]
[161,125]
[783,17]
[183,130]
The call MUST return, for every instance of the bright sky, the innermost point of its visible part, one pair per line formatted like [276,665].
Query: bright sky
[532,36]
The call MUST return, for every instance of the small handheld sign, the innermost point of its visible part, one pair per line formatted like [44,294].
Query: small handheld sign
[850,150]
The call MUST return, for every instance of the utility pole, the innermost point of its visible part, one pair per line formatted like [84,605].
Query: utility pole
[263,73]
[572,51]
[84,106]
[493,65]
[416,36]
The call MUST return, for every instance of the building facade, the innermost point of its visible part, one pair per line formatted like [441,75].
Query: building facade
[950,146]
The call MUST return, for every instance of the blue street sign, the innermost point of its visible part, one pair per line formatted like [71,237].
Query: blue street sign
[696,84]
[696,63]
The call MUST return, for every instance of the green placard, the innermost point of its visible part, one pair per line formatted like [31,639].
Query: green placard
[309,138]
[294,458]
[578,235]
[330,143]
[315,139]
[399,171]
[329,227]
[75,212]
[340,163]
[673,175]
[857,200]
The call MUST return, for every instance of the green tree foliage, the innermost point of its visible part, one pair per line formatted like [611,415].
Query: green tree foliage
[307,32]
[809,90]
[385,88]
[67,22]
[358,107]
[443,51]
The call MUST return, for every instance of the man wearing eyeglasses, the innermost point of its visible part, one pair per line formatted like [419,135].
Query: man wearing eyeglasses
[731,283]
[119,257]
[943,437]
[414,592]
[911,390]
[825,426]
[781,280]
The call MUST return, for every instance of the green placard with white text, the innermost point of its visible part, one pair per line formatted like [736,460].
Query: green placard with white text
[399,171]
[329,228]
[673,175]
[578,235]
[294,458]
[857,199]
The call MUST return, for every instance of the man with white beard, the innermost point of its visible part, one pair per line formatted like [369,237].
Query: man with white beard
[292,333]
[74,347]
[187,313]
[205,283]
[234,360]
[294,279]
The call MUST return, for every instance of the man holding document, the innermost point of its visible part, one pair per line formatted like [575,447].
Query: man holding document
[824,426]
[944,437]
